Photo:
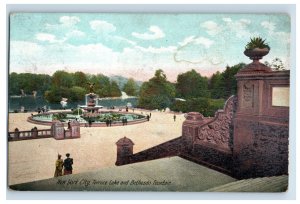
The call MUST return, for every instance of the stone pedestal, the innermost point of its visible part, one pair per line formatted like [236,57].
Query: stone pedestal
[124,151]
[57,130]
[260,146]
[190,128]
[75,129]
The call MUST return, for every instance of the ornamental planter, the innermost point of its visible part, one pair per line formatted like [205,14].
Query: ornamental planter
[256,53]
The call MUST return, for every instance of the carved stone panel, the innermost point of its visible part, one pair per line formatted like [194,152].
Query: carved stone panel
[248,95]
[218,131]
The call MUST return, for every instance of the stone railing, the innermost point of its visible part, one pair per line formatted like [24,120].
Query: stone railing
[218,133]
[210,132]
[31,134]
[57,131]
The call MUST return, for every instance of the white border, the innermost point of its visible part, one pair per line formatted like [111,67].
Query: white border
[158,8]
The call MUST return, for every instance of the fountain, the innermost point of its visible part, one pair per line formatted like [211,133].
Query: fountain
[90,114]
[91,101]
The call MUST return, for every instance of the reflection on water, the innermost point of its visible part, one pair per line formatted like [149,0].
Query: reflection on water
[31,104]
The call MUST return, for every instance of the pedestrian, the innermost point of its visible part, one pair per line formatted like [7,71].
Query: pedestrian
[150,114]
[125,121]
[58,166]
[110,122]
[69,124]
[90,123]
[107,122]
[68,162]
[148,117]
[174,117]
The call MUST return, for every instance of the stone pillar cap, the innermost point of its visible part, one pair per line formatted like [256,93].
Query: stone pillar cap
[124,141]
[56,122]
[255,67]
[74,122]
[194,116]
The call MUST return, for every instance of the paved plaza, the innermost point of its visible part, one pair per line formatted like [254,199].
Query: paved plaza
[32,160]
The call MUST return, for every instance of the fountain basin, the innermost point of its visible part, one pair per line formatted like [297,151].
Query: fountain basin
[98,119]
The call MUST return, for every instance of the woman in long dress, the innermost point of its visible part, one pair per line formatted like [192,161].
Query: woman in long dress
[58,166]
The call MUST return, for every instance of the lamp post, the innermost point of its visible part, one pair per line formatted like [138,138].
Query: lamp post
[78,110]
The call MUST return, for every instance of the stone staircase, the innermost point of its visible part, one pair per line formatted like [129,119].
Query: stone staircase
[264,184]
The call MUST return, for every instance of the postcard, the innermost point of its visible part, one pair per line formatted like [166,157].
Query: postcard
[148,102]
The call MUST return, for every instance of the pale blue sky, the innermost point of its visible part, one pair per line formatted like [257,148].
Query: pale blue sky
[135,45]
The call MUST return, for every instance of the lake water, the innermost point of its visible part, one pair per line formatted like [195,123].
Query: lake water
[31,104]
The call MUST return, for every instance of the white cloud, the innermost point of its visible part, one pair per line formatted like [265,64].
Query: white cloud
[155,33]
[212,28]
[46,37]
[227,19]
[187,40]
[75,33]
[150,49]
[20,48]
[268,25]
[69,20]
[203,41]
[195,50]
[119,38]
[238,27]
[102,26]
[67,26]
[196,41]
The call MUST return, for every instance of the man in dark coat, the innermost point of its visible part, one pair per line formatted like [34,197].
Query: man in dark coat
[68,162]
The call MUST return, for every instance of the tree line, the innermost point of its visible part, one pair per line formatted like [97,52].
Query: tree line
[191,91]
[63,84]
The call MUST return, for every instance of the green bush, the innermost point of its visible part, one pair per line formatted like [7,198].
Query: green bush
[205,106]
[59,116]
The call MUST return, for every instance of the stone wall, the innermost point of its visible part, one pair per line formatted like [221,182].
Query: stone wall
[261,130]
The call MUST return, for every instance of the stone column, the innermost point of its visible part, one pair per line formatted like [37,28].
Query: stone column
[260,143]
[57,130]
[34,132]
[190,128]
[75,129]
[124,151]
[17,133]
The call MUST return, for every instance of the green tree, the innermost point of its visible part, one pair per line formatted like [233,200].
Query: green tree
[131,87]
[276,64]
[55,94]
[77,93]
[29,83]
[62,79]
[13,84]
[191,84]
[216,85]
[229,81]
[80,79]
[102,84]
[205,106]
[224,85]
[157,93]
[114,90]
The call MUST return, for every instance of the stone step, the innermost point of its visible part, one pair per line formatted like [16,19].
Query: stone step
[265,184]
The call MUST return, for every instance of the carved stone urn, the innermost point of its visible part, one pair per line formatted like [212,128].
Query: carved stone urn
[256,53]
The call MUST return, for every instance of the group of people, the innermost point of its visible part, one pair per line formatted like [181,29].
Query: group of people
[42,110]
[63,167]
[124,121]
[108,122]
